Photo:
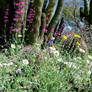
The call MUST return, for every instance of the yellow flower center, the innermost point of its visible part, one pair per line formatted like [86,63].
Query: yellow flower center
[53,47]
[25,61]
[56,53]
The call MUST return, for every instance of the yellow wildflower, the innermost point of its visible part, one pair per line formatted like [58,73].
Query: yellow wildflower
[64,37]
[78,43]
[77,36]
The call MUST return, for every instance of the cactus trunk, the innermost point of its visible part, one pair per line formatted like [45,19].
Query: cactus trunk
[32,37]
[24,22]
[56,17]
[50,9]
[90,13]
[86,7]
[43,23]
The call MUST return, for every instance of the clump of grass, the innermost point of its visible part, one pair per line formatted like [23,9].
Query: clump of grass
[39,71]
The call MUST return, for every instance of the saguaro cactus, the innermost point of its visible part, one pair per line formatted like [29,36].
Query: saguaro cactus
[90,13]
[38,4]
[43,23]
[56,17]
[86,7]
[50,9]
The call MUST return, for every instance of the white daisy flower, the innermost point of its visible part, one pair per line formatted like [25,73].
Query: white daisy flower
[1,65]
[53,38]
[5,64]
[13,46]
[60,60]
[81,50]
[89,72]
[75,58]
[19,71]
[19,36]
[90,57]
[88,61]
[25,61]
[11,63]
[56,53]
[52,49]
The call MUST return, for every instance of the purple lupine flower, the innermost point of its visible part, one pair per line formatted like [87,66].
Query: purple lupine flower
[51,43]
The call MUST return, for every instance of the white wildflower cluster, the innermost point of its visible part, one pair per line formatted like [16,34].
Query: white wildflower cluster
[13,46]
[6,64]
[54,51]
[89,61]
[70,64]
[82,50]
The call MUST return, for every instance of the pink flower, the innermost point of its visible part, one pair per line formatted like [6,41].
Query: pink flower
[6,13]
[47,18]
[52,30]
[42,38]
[17,12]
[22,3]
[10,32]
[16,30]
[22,11]
[46,25]
[16,4]
[32,30]
[7,9]
[5,17]
[15,19]
[5,20]
[45,30]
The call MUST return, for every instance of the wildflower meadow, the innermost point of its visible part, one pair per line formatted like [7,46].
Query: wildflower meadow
[45,45]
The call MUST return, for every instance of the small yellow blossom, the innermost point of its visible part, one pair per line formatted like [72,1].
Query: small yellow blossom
[78,43]
[64,37]
[77,36]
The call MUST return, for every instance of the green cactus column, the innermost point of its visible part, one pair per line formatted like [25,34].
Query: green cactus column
[43,23]
[50,10]
[24,20]
[86,7]
[56,17]
[90,13]
[44,5]
[38,4]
